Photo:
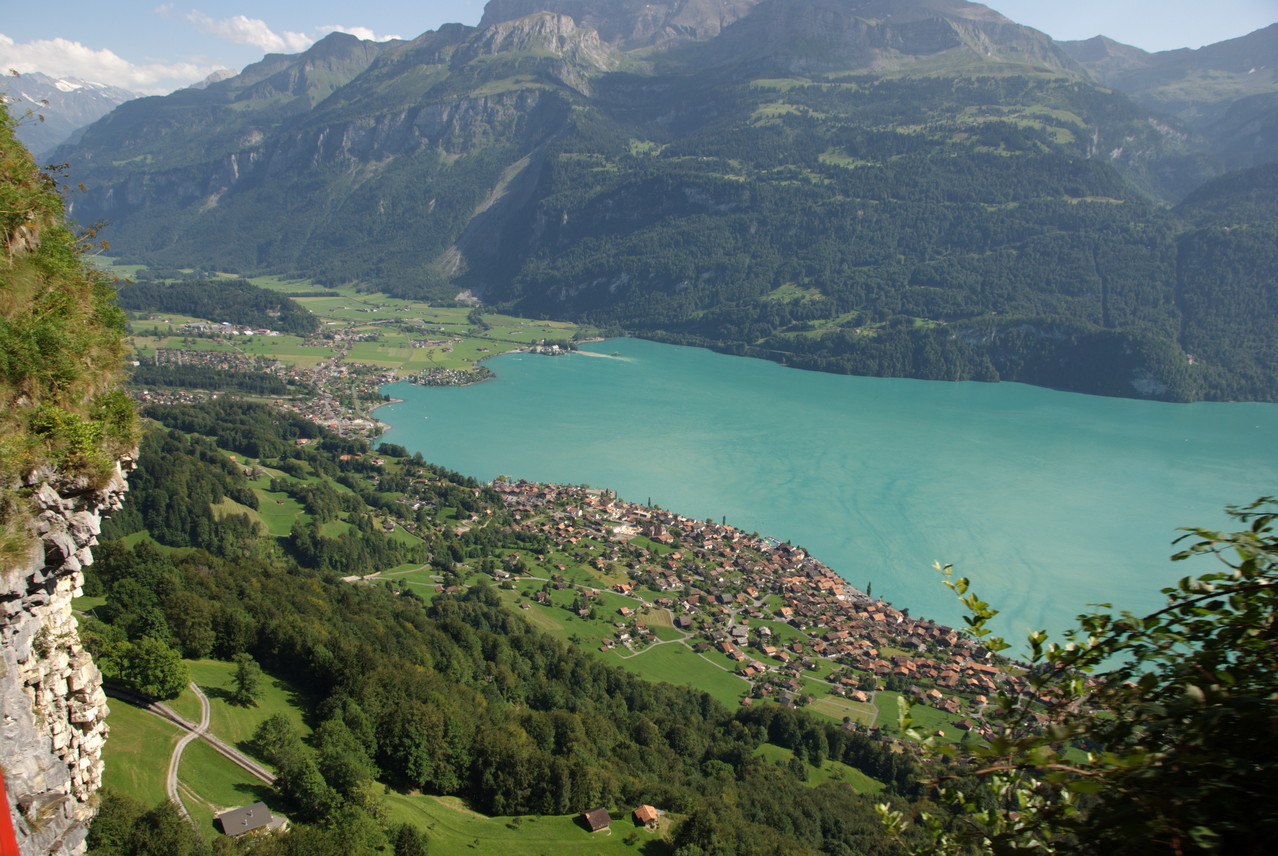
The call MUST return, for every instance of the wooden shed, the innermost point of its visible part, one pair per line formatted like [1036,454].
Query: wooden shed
[595,819]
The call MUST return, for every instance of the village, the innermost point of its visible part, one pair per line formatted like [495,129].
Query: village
[713,579]
[344,392]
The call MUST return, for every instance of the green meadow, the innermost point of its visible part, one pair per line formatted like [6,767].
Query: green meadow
[829,771]
[136,757]
[459,344]
[235,724]
[679,664]
[209,784]
[454,830]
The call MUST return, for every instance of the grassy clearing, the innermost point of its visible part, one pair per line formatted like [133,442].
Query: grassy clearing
[835,708]
[782,633]
[931,721]
[235,724]
[455,829]
[659,622]
[403,536]
[829,771]
[838,157]
[414,574]
[87,604]
[277,511]
[678,664]
[137,754]
[186,706]
[792,293]
[210,784]
[460,344]
[229,506]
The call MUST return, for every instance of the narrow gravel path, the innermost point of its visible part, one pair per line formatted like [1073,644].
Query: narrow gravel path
[176,758]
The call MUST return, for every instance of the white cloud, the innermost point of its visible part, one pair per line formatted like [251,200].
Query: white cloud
[164,10]
[243,30]
[357,32]
[62,58]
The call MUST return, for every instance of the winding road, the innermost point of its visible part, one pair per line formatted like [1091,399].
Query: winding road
[194,731]
[176,757]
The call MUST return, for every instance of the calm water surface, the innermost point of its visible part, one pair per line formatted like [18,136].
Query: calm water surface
[1048,500]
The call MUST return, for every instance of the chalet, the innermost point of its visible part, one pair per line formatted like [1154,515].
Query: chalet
[248,818]
[595,819]
[646,816]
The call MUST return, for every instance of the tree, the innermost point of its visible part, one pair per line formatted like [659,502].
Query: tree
[247,681]
[300,780]
[276,740]
[409,841]
[1138,734]
[152,668]
[162,831]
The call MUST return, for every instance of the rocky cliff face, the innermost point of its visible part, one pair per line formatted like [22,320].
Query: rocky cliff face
[632,23]
[52,709]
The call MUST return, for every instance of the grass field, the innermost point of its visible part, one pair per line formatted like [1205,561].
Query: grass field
[229,506]
[835,708]
[454,830]
[397,322]
[87,604]
[186,706]
[782,633]
[210,784]
[137,753]
[929,720]
[278,511]
[829,771]
[678,664]
[235,724]
[664,633]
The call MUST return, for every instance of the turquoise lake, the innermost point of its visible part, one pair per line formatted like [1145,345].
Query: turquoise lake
[1048,500]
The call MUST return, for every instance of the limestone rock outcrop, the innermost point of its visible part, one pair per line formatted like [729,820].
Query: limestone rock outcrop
[52,708]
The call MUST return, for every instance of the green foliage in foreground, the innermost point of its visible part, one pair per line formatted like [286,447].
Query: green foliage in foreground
[1179,739]
[61,346]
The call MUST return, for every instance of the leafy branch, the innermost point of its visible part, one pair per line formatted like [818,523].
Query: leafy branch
[1135,734]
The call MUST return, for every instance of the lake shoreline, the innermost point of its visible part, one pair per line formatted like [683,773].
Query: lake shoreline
[1048,500]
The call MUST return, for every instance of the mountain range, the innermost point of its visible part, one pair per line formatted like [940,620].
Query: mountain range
[59,106]
[894,187]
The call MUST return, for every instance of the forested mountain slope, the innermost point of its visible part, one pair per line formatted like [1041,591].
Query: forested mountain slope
[919,188]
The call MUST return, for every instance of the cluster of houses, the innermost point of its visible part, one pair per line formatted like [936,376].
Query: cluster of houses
[335,379]
[224,328]
[716,578]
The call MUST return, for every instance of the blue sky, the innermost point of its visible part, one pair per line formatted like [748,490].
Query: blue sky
[155,47]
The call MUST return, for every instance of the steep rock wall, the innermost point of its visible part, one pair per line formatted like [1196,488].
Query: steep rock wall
[52,709]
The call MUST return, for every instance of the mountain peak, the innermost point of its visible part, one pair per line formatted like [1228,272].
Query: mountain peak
[814,36]
[550,32]
[66,104]
[1099,49]
[631,23]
